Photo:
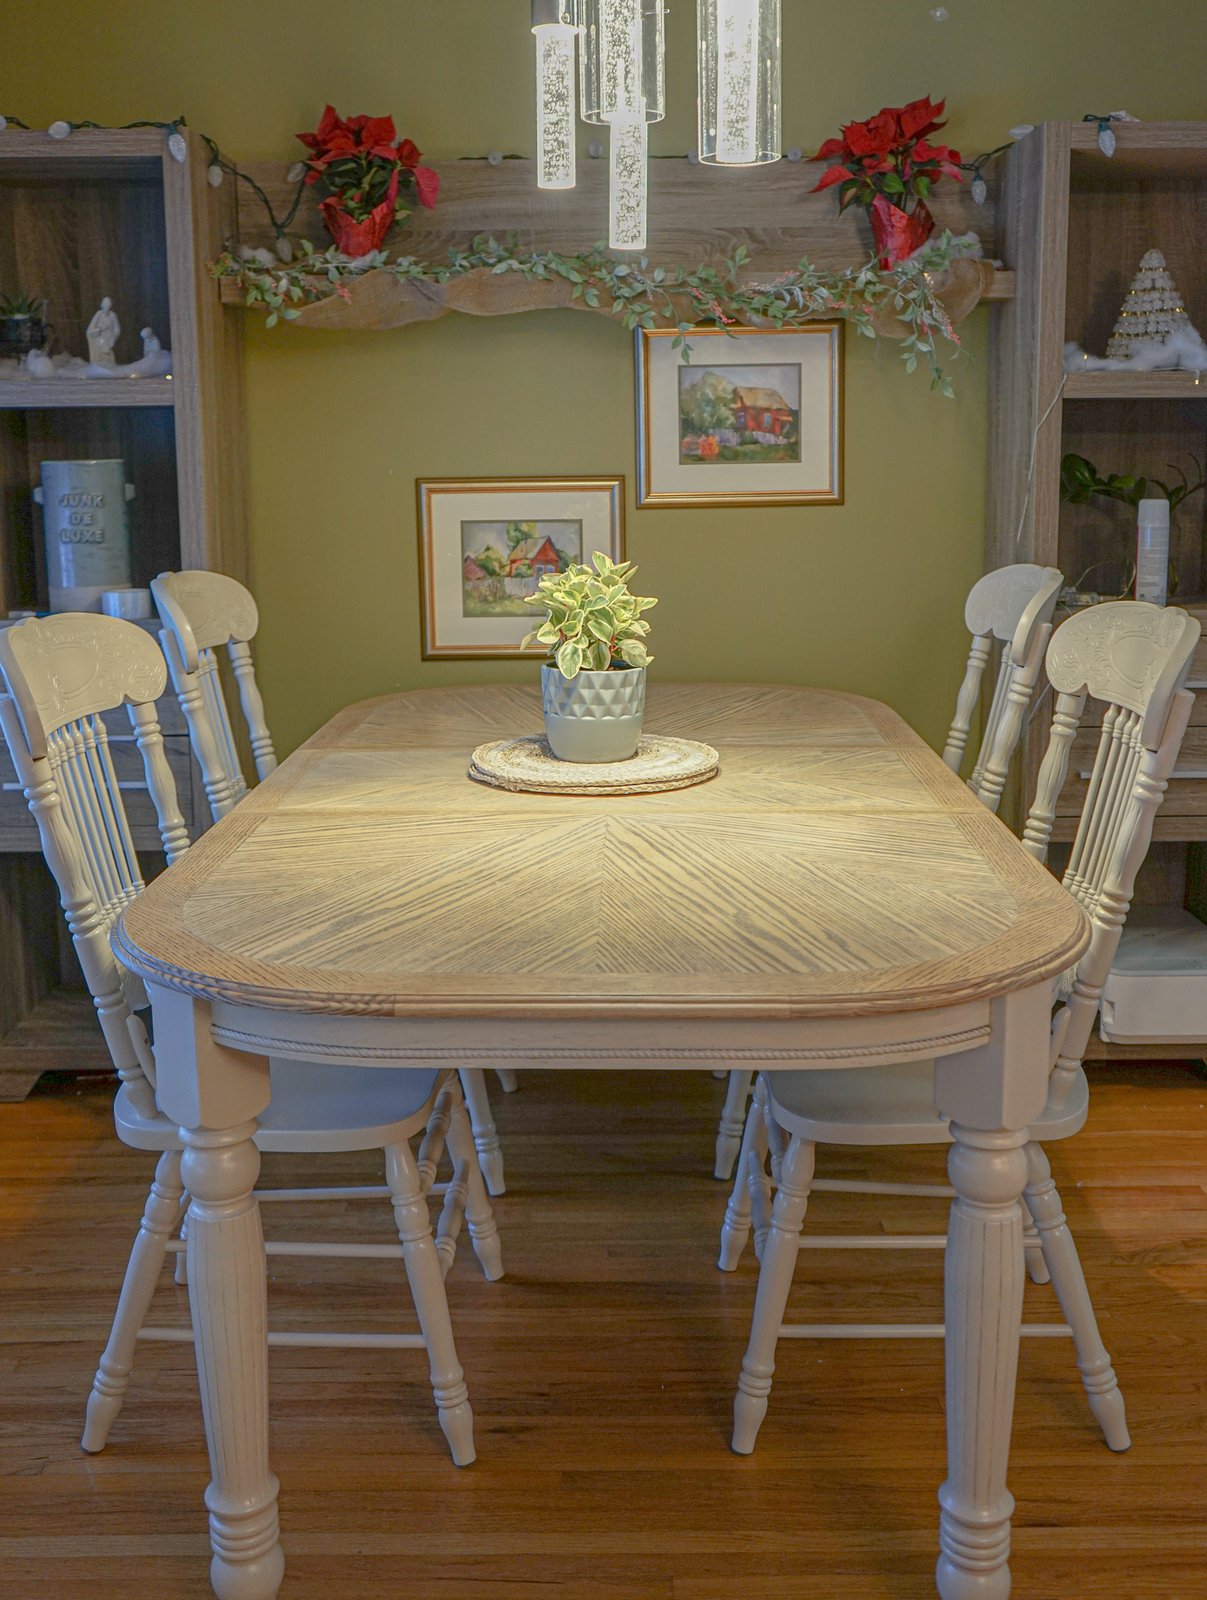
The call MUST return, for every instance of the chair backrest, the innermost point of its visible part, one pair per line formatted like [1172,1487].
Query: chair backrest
[1135,657]
[63,673]
[1013,605]
[203,612]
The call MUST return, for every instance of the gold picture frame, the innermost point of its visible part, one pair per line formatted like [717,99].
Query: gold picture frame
[485,542]
[760,413]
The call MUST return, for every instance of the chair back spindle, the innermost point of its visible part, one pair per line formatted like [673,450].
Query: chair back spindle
[1013,605]
[1135,657]
[62,674]
[202,613]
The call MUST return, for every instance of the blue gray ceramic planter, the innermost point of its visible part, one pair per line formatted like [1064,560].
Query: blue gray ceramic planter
[595,716]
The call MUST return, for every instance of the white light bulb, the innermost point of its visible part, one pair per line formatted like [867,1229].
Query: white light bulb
[739,75]
[178,146]
[554,106]
[627,191]
[215,175]
[295,172]
[979,190]
[736,83]
[1106,139]
[59,130]
[620,57]
[3,124]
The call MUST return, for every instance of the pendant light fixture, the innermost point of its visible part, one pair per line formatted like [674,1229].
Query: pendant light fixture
[622,86]
[554,28]
[739,82]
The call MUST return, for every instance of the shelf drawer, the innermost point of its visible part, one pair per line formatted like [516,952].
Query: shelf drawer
[19,831]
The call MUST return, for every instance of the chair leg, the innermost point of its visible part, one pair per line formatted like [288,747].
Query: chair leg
[181,1272]
[112,1379]
[1063,1262]
[1033,1252]
[733,1120]
[775,1280]
[508,1081]
[431,1304]
[486,1138]
[735,1230]
[483,1229]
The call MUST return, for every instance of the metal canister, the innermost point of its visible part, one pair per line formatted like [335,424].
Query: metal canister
[87,531]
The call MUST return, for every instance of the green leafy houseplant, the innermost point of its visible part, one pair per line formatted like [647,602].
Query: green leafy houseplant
[593,622]
[21,305]
[1081,483]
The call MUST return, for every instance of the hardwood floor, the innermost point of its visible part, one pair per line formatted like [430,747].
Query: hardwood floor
[602,1370]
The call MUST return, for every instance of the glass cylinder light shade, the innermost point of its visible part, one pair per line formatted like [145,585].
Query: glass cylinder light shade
[627,196]
[553,29]
[623,60]
[740,81]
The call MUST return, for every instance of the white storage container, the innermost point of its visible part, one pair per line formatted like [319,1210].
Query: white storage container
[1157,989]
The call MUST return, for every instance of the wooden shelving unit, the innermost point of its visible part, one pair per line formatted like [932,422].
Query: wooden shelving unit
[52,394]
[109,212]
[1073,225]
[769,210]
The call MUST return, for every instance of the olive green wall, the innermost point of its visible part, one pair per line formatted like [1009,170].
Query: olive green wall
[866,595]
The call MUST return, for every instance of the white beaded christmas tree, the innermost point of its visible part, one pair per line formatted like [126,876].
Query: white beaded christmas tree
[1152,311]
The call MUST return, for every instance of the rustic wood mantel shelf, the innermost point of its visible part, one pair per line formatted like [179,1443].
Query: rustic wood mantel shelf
[697,213]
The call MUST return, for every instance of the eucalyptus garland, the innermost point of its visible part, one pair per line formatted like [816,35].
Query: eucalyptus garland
[641,295]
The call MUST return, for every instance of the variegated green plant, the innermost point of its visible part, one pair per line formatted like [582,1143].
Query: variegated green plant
[592,621]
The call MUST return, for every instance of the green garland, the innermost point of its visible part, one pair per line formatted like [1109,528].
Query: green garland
[641,295]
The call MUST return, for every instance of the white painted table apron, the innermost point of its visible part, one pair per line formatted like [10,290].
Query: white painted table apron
[834,897]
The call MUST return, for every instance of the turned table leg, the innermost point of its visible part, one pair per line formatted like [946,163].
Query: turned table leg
[230,1330]
[991,1094]
[214,1094]
[984,1295]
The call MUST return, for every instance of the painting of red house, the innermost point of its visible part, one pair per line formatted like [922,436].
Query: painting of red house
[762,411]
[538,556]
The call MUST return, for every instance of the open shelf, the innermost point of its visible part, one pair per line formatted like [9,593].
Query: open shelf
[1135,386]
[30,394]
[60,1034]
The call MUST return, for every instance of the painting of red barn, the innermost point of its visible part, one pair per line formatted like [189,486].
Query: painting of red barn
[747,414]
[501,562]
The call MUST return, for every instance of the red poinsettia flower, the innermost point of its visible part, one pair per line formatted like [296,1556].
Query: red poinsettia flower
[361,161]
[873,137]
[919,118]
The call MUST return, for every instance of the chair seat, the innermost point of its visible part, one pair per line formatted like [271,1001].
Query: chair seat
[889,1105]
[315,1107]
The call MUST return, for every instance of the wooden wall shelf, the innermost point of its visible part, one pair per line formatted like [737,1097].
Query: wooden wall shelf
[32,394]
[378,300]
[696,213]
[1135,386]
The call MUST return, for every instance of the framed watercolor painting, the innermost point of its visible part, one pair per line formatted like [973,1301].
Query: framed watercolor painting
[754,418]
[485,543]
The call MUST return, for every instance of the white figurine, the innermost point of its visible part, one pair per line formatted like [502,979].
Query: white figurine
[156,361]
[103,333]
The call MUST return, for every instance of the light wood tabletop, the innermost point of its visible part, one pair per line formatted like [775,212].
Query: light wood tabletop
[833,866]
[834,896]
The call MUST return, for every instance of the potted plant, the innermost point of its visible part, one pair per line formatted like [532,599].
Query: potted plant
[22,327]
[593,687]
[887,165]
[369,174]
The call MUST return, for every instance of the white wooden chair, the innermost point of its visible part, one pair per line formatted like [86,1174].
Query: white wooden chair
[1013,605]
[63,674]
[203,613]
[1135,657]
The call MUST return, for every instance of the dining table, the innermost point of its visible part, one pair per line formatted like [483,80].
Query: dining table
[834,896]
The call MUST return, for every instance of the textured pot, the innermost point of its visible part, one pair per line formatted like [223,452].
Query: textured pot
[899,233]
[595,716]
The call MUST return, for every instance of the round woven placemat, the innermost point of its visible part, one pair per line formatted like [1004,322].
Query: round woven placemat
[528,765]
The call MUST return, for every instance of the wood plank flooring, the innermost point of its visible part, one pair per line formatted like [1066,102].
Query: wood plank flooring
[601,1371]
